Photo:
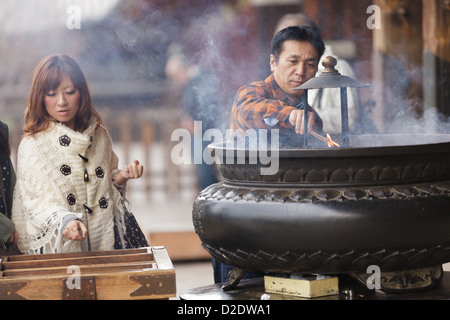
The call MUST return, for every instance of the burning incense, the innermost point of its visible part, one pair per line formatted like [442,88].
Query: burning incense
[327,140]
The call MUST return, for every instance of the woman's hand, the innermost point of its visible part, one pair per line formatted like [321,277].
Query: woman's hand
[131,171]
[75,230]
[14,237]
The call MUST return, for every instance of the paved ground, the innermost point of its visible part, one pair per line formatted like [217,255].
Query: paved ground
[190,275]
[163,215]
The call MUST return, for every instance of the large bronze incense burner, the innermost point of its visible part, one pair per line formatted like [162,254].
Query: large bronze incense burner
[382,201]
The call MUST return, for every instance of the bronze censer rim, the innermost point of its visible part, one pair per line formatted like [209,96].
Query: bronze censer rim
[362,146]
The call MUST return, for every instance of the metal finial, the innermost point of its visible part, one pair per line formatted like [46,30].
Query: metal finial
[330,63]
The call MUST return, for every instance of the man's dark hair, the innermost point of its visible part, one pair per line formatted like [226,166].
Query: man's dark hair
[299,33]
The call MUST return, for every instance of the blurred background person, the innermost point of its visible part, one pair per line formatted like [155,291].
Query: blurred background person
[8,232]
[199,92]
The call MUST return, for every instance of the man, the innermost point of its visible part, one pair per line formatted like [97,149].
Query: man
[199,102]
[272,103]
[327,101]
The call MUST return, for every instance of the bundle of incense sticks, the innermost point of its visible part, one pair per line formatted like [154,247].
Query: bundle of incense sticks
[328,140]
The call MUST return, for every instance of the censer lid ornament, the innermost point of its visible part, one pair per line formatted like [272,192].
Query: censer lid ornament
[330,78]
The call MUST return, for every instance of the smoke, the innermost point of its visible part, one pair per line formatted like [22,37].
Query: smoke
[430,122]
[401,97]
[129,46]
[36,16]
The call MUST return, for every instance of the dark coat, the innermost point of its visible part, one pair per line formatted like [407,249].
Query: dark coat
[6,225]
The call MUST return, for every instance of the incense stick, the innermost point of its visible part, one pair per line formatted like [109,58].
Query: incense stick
[318,136]
[322,138]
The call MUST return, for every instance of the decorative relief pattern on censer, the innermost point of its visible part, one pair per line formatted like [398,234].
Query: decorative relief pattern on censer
[222,191]
[341,175]
[333,261]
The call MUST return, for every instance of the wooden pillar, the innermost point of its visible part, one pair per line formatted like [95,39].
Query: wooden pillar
[147,138]
[268,13]
[125,124]
[397,60]
[436,54]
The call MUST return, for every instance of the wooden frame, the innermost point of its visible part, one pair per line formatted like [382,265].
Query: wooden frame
[144,273]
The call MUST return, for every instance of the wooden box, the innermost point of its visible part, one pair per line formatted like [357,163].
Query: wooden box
[144,273]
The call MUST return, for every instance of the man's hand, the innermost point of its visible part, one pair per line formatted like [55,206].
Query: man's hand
[296,120]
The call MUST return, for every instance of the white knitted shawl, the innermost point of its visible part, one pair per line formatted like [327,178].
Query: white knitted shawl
[51,184]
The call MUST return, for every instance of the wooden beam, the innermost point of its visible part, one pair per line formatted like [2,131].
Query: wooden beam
[436,54]
[397,60]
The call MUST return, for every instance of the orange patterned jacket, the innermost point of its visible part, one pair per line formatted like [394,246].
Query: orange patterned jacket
[263,104]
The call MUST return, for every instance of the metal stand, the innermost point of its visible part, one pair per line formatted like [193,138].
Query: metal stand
[331,78]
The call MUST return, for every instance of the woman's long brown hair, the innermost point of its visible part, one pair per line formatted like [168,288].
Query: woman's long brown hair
[47,76]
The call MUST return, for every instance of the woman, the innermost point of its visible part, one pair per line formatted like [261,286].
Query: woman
[8,233]
[68,195]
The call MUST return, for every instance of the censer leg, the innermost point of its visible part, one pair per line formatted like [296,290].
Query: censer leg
[406,280]
[233,278]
